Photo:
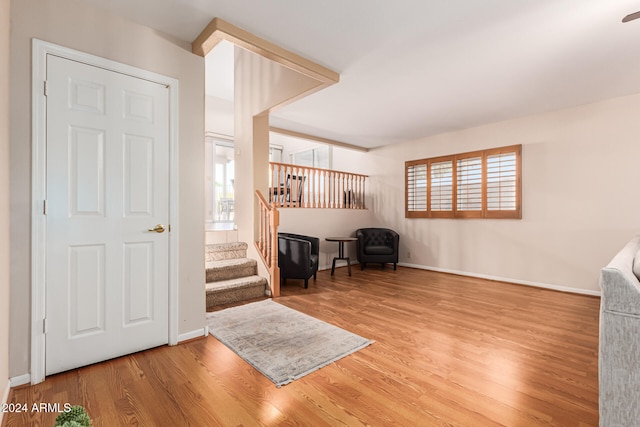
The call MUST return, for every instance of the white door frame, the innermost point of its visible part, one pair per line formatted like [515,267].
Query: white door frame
[40,50]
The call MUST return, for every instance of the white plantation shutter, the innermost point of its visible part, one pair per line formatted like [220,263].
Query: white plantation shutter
[441,176]
[501,182]
[417,188]
[504,171]
[469,184]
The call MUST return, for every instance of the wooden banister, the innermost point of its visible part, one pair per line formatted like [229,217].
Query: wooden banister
[294,186]
[267,243]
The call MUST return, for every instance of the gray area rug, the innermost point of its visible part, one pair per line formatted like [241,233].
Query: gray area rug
[282,343]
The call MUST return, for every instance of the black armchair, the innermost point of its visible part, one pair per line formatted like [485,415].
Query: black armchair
[377,245]
[298,257]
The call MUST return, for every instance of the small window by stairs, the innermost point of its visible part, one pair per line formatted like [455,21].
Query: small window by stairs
[231,276]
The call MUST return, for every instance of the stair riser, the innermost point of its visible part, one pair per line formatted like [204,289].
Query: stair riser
[222,255]
[235,272]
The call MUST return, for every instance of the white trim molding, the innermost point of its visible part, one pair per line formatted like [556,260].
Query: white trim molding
[13,382]
[40,50]
[20,380]
[204,332]
[504,279]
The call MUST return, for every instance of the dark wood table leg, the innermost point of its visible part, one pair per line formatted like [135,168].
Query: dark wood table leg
[341,257]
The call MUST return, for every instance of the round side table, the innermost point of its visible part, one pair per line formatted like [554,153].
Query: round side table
[341,241]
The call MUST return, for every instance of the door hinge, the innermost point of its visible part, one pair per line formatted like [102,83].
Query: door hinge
[44,207]
[44,325]
[45,88]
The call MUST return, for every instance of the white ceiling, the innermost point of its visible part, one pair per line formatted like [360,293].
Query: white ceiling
[414,68]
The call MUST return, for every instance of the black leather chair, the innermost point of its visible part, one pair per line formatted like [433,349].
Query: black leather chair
[298,257]
[295,185]
[379,245]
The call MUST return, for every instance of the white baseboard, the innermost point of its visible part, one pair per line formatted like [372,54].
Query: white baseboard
[194,334]
[504,279]
[20,380]
[13,382]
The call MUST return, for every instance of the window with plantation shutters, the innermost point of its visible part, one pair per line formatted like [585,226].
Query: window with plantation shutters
[441,186]
[417,188]
[469,185]
[501,182]
[480,184]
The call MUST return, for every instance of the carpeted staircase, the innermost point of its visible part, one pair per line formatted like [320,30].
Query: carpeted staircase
[231,276]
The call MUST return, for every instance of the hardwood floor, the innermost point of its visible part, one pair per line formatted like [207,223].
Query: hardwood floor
[449,351]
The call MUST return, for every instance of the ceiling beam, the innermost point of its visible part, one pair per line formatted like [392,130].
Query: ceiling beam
[219,30]
[317,139]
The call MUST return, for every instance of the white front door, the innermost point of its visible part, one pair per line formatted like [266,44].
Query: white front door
[107,185]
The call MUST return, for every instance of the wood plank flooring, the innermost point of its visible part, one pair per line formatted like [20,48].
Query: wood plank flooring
[449,351]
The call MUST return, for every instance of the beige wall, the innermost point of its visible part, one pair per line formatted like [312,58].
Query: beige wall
[259,85]
[4,197]
[76,25]
[219,116]
[580,204]
[347,160]
[323,223]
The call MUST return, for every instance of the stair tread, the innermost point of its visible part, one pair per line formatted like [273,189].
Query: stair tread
[231,246]
[240,282]
[228,263]
[222,251]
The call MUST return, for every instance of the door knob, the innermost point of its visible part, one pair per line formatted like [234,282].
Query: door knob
[158,228]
